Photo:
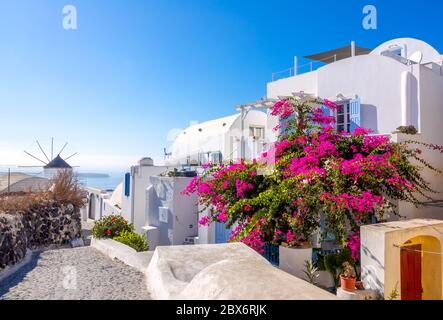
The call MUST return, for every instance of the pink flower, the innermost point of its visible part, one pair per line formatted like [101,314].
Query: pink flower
[290,237]
[242,186]
[361,132]
[354,245]
[204,221]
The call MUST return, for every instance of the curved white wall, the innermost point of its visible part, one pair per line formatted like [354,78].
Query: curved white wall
[410,45]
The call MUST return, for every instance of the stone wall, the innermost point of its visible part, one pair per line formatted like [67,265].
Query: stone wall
[13,239]
[46,224]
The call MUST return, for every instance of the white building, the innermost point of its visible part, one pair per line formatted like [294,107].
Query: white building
[221,140]
[400,83]
[152,201]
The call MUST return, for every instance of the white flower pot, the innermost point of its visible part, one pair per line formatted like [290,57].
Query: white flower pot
[292,260]
[325,279]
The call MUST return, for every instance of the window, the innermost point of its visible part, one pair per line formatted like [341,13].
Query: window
[257,132]
[216,157]
[343,118]
[397,52]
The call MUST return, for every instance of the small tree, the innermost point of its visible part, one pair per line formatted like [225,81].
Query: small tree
[65,188]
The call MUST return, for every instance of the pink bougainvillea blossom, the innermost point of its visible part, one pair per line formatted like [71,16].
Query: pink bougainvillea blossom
[354,244]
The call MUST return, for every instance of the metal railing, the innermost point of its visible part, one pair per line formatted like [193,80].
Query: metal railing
[271,253]
[304,68]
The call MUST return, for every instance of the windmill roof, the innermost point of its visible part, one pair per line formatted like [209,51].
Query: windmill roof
[58,163]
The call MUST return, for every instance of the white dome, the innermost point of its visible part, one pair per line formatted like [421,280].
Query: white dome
[202,137]
[409,47]
[147,161]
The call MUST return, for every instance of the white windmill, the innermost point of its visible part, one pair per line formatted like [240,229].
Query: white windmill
[54,163]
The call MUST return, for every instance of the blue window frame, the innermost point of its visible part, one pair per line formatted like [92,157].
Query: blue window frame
[127,184]
[354,114]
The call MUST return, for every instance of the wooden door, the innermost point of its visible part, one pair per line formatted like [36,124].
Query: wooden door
[410,273]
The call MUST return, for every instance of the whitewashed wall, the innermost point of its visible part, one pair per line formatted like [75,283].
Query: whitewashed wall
[170,214]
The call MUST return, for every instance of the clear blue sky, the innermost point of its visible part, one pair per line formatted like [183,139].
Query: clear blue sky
[136,69]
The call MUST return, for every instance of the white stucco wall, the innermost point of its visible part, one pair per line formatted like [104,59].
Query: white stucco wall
[173,215]
[141,183]
[377,82]
[206,234]
[307,82]
[431,131]
[253,148]
[219,135]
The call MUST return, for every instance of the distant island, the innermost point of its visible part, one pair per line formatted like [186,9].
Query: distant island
[92,175]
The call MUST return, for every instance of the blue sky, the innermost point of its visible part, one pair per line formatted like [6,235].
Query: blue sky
[134,70]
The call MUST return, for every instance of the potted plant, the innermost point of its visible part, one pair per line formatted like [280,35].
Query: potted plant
[348,277]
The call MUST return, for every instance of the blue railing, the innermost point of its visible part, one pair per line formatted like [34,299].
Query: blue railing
[271,253]
[323,252]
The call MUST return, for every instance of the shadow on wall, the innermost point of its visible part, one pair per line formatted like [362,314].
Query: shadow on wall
[369,117]
[370,273]
[414,103]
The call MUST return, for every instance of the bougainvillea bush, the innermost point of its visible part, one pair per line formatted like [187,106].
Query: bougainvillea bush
[312,176]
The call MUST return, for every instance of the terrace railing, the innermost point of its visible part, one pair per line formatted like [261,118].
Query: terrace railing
[304,68]
[271,253]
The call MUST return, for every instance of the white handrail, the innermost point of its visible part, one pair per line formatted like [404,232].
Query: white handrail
[311,65]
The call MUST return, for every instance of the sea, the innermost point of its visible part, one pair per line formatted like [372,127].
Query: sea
[101,180]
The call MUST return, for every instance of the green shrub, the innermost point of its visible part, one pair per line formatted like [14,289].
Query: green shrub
[333,263]
[110,227]
[137,242]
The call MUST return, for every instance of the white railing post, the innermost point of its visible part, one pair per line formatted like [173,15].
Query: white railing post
[295,65]
[352,48]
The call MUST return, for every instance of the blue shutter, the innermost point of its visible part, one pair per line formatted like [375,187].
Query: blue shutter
[354,114]
[127,184]
[221,233]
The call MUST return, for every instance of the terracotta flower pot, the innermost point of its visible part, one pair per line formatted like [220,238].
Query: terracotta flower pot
[347,284]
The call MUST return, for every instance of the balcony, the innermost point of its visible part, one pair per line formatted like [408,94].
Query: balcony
[319,60]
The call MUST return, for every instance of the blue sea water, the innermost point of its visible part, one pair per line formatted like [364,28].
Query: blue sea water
[101,181]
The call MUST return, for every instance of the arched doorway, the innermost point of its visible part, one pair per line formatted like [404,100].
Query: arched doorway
[420,269]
